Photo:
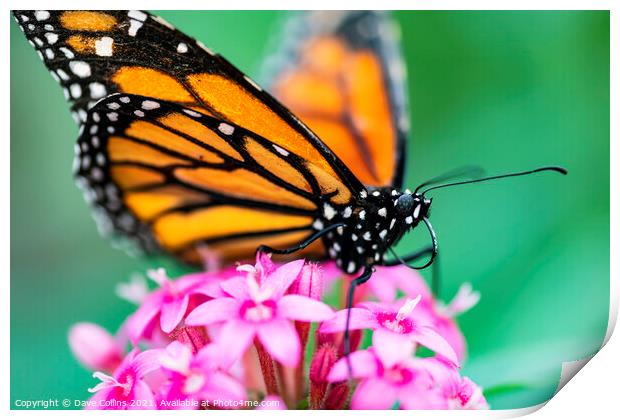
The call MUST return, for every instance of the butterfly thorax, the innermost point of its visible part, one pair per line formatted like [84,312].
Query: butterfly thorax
[377,221]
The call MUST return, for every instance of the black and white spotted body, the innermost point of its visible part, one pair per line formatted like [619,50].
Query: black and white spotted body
[378,221]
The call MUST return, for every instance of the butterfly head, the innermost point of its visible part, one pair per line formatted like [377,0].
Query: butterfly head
[412,207]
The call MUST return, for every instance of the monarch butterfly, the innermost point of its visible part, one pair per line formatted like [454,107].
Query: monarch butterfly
[178,150]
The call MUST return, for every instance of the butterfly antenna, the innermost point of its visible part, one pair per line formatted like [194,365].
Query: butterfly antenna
[543,169]
[468,171]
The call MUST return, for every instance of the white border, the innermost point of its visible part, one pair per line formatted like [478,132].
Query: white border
[593,394]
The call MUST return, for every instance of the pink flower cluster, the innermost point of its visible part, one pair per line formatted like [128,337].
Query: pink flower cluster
[243,337]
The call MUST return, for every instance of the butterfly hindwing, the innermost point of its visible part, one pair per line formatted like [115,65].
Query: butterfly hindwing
[342,73]
[176,179]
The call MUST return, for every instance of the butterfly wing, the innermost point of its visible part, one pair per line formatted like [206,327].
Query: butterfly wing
[169,182]
[97,53]
[342,73]
[177,179]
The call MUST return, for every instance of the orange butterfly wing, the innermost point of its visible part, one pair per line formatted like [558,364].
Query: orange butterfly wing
[344,77]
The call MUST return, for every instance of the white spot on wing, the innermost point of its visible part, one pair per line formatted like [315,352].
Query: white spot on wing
[67,52]
[148,105]
[182,48]
[382,212]
[103,46]
[51,37]
[80,68]
[367,236]
[226,129]
[134,25]
[280,150]
[138,113]
[137,14]
[383,234]
[97,90]
[347,212]
[41,15]
[191,113]
[409,220]
[76,90]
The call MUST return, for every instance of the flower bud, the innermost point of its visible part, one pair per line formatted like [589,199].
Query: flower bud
[321,364]
[337,396]
[94,347]
[309,282]
[193,337]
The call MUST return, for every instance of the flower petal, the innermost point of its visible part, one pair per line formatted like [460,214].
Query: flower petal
[373,394]
[281,341]
[177,357]
[223,387]
[216,310]
[147,361]
[234,339]
[429,338]
[94,346]
[281,279]
[137,323]
[143,398]
[391,347]
[364,364]
[303,308]
[236,287]
[360,318]
[172,313]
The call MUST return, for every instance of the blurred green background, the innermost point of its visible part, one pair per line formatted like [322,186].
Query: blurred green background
[505,90]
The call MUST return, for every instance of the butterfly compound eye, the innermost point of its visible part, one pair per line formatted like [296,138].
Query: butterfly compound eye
[405,204]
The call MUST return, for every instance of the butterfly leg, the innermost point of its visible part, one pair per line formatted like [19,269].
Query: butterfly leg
[363,278]
[303,244]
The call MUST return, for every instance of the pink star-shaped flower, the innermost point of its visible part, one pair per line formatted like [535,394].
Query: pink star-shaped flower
[257,306]
[127,383]
[395,330]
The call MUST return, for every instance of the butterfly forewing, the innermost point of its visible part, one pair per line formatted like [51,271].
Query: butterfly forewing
[96,53]
[199,153]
